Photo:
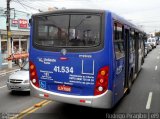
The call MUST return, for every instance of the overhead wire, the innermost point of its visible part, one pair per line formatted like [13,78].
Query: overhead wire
[26,5]
[40,4]
[29,3]
[21,4]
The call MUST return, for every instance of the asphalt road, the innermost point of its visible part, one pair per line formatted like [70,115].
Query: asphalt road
[14,102]
[143,98]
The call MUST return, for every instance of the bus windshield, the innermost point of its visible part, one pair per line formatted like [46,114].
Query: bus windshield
[66,30]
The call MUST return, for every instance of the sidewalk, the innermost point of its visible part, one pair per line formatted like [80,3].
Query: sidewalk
[4,69]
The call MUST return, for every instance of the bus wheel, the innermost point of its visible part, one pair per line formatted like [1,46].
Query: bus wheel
[130,83]
[142,61]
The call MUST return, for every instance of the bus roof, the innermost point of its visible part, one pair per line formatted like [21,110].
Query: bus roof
[115,16]
[125,22]
[71,11]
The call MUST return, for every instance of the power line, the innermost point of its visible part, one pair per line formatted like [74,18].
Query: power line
[21,4]
[37,4]
[27,6]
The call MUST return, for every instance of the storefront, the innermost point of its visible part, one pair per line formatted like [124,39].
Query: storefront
[20,43]
[19,26]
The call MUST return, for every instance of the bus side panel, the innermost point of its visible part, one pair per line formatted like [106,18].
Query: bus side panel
[119,74]
[109,48]
[116,80]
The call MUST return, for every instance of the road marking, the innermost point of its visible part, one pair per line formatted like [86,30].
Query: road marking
[6,72]
[3,86]
[157,57]
[22,113]
[40,103]
[156,67]
[2,75]
[149,101]
[31,109]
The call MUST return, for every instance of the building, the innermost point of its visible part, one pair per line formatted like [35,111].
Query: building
[19,25]
[151,34]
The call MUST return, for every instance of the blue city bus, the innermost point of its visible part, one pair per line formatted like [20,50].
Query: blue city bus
[84,57]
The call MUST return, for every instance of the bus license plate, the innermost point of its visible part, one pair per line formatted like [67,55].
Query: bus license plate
[64,88]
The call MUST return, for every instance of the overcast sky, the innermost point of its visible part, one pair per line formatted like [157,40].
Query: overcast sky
[144,13]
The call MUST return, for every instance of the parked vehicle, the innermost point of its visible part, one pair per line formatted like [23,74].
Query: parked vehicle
[157,40]
[19,81]
[146,52]
[148,47]
[152,42]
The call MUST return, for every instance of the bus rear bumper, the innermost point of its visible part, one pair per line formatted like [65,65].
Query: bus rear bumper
[101,101]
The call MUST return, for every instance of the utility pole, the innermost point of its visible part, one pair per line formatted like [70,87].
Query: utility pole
[8,34]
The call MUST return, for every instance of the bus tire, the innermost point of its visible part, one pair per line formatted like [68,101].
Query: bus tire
[142,61]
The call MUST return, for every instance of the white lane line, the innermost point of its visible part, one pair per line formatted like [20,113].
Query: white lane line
[157,57]
[3,86]
[149,101]
[156,67]
[2,75]
[6,72]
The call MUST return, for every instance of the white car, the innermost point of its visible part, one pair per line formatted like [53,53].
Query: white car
[19,81]
[152,42]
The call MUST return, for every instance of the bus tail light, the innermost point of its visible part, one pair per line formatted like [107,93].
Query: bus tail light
[102,81]
[33,74]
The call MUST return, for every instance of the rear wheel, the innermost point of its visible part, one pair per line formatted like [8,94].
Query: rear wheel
[142,61]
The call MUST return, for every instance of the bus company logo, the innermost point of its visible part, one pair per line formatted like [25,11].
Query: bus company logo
[46,60]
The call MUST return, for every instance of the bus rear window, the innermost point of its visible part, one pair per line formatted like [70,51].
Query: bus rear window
[68,30]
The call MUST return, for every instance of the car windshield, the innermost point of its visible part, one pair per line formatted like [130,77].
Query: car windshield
[153,40]
[149,40]
[26,66]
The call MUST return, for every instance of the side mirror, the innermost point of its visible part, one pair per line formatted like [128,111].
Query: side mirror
[30,22]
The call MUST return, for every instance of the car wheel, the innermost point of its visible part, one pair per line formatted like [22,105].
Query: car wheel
[13,91]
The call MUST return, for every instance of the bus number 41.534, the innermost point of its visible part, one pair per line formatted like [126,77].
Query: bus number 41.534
[63,69]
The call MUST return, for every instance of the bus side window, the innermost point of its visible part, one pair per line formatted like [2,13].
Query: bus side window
[118,40]
[132,41]
[140,41]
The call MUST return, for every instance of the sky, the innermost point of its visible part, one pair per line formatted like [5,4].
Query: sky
[143,13]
